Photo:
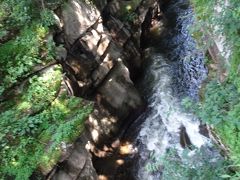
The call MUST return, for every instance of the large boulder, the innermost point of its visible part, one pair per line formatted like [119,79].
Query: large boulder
[99,52]
[118,91]
[78,165]
[78,17]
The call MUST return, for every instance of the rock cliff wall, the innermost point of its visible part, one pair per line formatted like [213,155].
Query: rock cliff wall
[100,55]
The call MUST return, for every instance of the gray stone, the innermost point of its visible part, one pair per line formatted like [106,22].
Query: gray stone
[61,175]
[78,165]
[58,22]
[112,54]
[61,53]
[99,74]
[119,92]
[100,4]
[78,17]
[88,173]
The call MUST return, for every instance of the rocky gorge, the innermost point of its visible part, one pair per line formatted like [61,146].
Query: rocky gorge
[100,56]
[112,95]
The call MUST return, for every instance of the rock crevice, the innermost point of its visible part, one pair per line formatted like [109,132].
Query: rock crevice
[100,56]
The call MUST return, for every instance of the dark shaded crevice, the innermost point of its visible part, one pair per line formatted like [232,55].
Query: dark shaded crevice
[78,50]
[144,40]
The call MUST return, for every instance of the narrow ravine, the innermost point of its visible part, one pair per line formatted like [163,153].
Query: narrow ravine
[175,70]
[119,90]
[166,124]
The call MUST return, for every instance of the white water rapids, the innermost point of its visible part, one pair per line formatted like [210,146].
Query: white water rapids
[175,70]
[161,128]
[167,113]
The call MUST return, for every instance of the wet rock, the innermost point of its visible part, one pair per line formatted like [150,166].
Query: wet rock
[203,129]
[184,138]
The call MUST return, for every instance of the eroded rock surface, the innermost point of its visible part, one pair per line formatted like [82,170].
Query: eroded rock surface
[103,55]
[78,17]
[78,165]
[99,57]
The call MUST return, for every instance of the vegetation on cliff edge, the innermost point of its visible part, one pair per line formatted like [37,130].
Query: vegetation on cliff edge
[220,106]
[37,117]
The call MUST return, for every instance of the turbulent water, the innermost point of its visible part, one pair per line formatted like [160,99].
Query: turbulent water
[164,119]
[176,71]
[166,130]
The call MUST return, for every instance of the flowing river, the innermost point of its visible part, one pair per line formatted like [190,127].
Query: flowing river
[175,70]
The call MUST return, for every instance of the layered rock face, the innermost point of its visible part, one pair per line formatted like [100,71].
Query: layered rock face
[98,58]
[100,55]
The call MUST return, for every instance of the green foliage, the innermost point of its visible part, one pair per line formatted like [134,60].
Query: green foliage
[39,117]
[127,10]
[221,108]
[219,101]
[221,104]
[16,13]
[195,167]
[20,55]
[43,86]
[129,16]
[27,48]
[47,17]
[34,120]
[220,18]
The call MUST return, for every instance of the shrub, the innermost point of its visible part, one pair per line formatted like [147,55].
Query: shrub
[39,117]
[221,104]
